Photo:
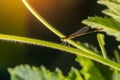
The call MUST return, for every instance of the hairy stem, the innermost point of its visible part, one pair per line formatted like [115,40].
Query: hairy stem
[60,47]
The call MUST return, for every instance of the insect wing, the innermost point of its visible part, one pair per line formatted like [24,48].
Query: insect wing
[80,31]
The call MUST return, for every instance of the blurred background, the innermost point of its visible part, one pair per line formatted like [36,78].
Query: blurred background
[65,15]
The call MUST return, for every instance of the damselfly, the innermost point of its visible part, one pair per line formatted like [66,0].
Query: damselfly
[80,32]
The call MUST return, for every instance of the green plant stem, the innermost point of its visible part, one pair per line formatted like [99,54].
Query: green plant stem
[82,51]
[41,19]
[60,47]
[101,41]
[51,28]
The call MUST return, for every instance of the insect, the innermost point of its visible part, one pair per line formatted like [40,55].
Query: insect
[80,32]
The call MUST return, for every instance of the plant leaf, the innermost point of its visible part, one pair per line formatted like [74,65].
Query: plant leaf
[116,75]
[113,6]
[74,74]
[89,71]
[113,9]
[111,24]
[25,72]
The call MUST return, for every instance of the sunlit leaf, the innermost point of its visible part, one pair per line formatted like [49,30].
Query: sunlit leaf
[26,72]
[111,24]
[33,73]
[89,70]
[113,9]
[74,74]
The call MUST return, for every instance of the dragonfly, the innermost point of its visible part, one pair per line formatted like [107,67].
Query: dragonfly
[80,32]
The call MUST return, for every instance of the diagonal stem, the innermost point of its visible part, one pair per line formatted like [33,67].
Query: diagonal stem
[51,28]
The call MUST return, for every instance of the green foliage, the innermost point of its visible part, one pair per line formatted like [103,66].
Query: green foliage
[101,41]
[91,47]
[111,22]
[26,72]
[113,9]
[116,75]
[74,74]
[89,70]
